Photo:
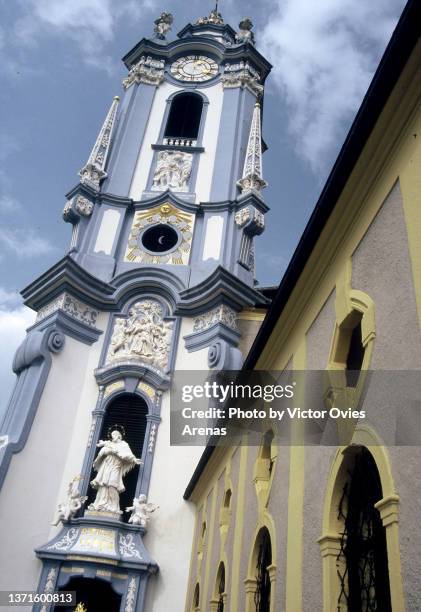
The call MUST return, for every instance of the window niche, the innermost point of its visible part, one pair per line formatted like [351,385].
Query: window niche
[184,119]
[362,563]
[127,413]
[217,603]
[261,575]
[264,467]
[350,353]
[196,599]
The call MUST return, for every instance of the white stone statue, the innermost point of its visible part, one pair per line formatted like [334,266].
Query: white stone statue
[163,25]
[141,511]
[245,33]
[173,171]
[73,503]
[113,462]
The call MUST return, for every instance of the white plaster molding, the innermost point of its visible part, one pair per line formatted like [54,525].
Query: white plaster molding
[250,213]
[220,314]
[127,546]
[71,306]
[147,70]
[242,75]
[131,596]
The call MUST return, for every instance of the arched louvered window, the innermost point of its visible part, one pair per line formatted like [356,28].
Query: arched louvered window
[220,586]
[264,560]
[128,412]
[363,557]
[184,117]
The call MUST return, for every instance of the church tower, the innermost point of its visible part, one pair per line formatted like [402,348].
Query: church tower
[159,277]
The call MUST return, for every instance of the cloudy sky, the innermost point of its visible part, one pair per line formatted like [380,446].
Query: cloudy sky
[60,68]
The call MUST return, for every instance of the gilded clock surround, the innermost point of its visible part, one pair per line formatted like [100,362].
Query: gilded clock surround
[180,221]
[197,68]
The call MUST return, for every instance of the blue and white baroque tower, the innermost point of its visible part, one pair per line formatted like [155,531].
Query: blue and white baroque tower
[159,276]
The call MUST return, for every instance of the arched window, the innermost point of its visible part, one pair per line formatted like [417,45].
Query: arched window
[220,587]
[355,352]
[362,560]
[263,561]
[184,117]
[128,412]
[267,454]
[227,499]
[196,598]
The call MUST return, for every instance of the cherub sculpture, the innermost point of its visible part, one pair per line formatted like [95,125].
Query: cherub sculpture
[141,511]
[74,502]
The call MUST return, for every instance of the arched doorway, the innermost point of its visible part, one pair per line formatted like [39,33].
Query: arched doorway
[92,595]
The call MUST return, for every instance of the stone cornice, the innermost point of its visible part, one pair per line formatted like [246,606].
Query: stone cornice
[221,287]
[232,53]
[67,275]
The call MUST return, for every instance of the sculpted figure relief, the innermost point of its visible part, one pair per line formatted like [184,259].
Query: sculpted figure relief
[74,502]
[173,171]
[143,336]
[113,462]
[141,511]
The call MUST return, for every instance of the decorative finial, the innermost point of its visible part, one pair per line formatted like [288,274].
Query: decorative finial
[252,180]
[94,170]
[245,34]
[163,25]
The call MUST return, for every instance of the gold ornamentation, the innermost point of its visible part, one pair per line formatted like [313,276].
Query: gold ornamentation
[115,386]
[164,214]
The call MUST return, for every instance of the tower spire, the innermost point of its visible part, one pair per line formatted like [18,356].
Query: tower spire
[252,179]
[93,172]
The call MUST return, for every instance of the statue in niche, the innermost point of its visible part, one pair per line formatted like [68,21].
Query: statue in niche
[143,336]
[113,462]
[163,25]
[173,171]
[245,33]
[73,503]
[141,511]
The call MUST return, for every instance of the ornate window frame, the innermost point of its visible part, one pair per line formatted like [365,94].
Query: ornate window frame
[195,150]
[217,595]
[332,527]
[107,394]
[349,303]
[250,582]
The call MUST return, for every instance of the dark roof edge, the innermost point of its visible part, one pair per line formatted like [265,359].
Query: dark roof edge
[401,44]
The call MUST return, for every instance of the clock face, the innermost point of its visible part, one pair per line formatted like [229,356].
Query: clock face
[194,68]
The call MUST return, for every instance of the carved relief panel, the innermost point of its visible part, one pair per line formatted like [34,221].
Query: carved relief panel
[143,337]
[173,170]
